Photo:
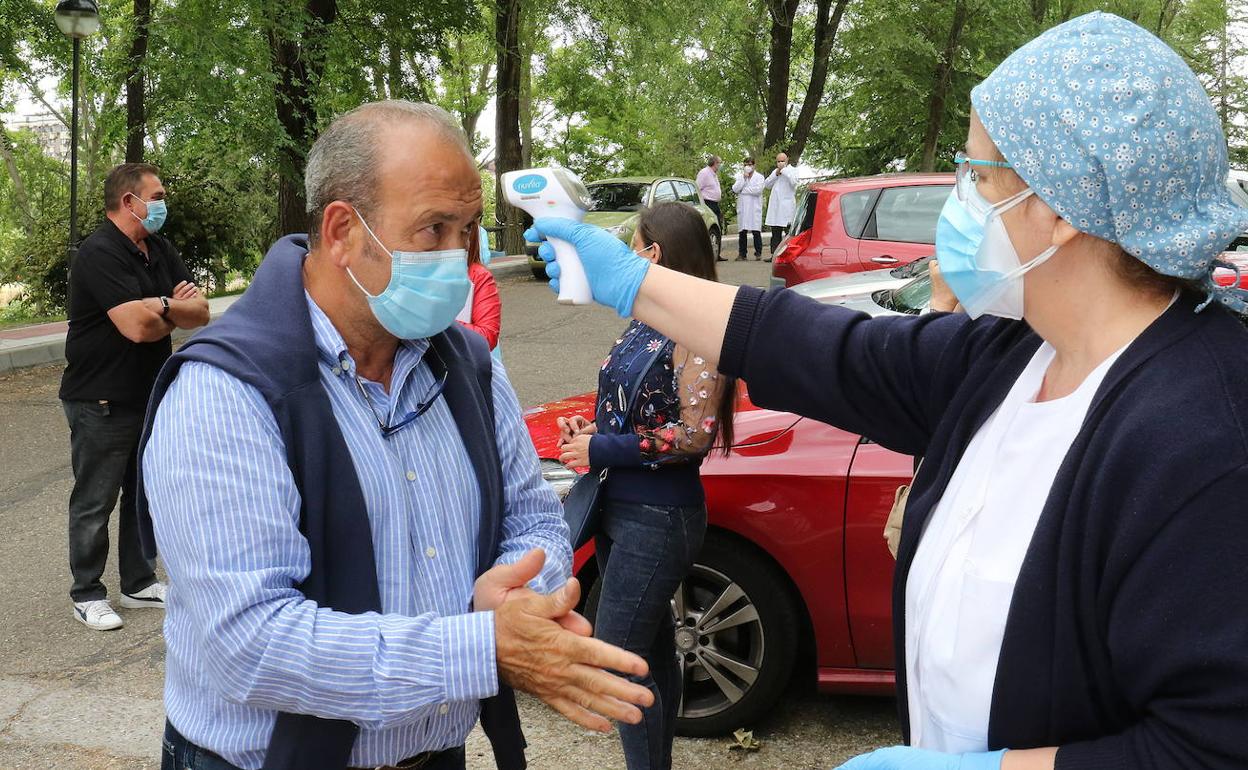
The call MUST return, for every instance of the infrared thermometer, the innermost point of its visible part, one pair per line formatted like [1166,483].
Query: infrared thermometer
[555,192]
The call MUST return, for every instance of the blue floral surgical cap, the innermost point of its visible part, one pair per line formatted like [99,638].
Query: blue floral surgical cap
[1114,132]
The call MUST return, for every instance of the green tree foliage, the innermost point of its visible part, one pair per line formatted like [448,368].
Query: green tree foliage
[606,88]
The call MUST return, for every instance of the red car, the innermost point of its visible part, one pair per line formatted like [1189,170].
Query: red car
[794,564]
[866,223]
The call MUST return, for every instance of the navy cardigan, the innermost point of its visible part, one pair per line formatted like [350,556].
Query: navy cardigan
[1126,643]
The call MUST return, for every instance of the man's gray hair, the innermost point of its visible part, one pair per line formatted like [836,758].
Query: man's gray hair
[344,163]
[711,160]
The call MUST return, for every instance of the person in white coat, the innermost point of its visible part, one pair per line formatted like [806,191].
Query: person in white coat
[783,201]
[748,186]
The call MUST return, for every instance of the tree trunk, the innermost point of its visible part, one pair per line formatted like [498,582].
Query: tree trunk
[15,175]
[421,87]
[940,87]
[136,111]
[526,110]
[151,136]
[827,23]
[1166,15]
[779,65]
[394,69]
[1039,10]
[507,117]
[472,112]
[298,62]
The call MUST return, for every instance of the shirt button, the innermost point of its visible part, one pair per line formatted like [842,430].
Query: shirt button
[431,552]
[337,370]
[411,475]
[444,709]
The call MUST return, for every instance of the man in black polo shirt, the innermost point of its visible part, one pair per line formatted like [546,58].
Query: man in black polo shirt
[128,289]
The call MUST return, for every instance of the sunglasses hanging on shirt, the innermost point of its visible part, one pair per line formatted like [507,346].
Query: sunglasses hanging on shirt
[422,406]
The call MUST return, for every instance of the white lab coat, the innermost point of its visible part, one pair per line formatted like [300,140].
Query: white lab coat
[749,201]
[783,201]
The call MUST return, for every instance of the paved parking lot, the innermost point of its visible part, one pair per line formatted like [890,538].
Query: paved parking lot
[73,698]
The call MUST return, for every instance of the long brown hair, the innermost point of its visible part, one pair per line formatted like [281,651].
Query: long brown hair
[686,248]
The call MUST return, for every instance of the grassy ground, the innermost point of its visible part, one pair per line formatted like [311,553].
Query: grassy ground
[18,313]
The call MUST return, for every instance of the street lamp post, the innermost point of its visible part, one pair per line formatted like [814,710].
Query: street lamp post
[77,19]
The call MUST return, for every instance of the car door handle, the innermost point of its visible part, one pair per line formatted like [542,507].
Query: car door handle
[885,260]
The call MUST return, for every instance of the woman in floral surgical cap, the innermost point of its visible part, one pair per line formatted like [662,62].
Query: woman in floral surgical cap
[1071,588]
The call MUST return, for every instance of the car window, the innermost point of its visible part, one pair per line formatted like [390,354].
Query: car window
[908,214]
[688,192]
[854,209]
[618,196]
[804,214]
[1239,191]
[663,192]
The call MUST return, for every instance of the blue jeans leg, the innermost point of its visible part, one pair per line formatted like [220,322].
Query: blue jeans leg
[177,753]
[644,552]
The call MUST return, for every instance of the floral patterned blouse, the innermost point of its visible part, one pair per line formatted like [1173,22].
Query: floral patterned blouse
[674,415]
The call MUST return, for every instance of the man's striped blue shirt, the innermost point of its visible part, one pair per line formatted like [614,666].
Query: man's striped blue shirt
[244,644]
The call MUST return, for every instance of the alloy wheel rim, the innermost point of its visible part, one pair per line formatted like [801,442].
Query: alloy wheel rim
[720,642]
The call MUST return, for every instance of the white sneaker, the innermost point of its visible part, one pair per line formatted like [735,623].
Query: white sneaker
[152,596]
[97,614]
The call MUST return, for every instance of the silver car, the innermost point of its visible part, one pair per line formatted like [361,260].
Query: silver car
[905,290]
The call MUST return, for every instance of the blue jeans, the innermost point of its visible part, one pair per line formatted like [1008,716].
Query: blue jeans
[177,753]
[644,552]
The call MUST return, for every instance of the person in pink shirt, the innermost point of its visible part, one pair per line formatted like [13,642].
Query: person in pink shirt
[708,188]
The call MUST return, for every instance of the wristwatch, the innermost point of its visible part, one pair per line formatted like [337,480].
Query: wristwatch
[164,309]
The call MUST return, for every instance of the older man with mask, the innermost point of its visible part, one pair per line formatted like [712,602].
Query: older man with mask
[361,551]
[782,181]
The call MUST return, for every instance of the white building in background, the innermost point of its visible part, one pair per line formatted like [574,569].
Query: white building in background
[51,133]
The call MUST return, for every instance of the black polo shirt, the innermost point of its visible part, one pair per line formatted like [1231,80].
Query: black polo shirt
[108,271]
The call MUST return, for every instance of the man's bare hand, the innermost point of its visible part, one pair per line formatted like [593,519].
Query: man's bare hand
[495,583]
[539,655]
[185,290]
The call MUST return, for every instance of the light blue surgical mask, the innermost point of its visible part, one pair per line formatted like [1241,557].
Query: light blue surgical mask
[157,211]
[977,258]
[427,290]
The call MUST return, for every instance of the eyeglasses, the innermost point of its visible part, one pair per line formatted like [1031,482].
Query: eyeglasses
[422,406]
[965,175]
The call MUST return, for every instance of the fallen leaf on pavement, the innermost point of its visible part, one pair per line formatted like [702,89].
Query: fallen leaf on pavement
[743,740]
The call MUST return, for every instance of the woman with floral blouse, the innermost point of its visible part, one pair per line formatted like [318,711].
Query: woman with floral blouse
[654,511]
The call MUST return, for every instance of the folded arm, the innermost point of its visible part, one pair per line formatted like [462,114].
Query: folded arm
[188,309]
[141,320]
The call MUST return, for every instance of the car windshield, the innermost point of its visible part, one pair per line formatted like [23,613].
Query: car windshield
[618,196]
[911,298]
[912,269]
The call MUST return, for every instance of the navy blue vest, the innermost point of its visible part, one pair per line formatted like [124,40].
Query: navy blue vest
[266,340]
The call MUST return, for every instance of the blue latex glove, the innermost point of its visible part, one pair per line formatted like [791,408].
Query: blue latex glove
[906,758]
[615,273]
